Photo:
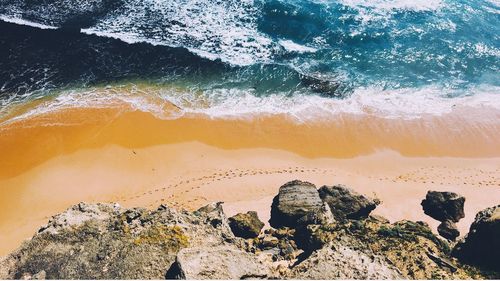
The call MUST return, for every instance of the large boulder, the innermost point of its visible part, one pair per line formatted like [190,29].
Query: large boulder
[221,262]
[295,200]
[448,230]
[482,244]
[444,206]
[246,225]
[345,203]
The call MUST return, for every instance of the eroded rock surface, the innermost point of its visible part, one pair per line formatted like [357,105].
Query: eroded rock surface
[339,261]
[405,244]
[345,203]
[220,262]
[106,241]
[295,200]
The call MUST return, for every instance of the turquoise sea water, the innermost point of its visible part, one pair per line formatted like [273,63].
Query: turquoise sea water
[243,55]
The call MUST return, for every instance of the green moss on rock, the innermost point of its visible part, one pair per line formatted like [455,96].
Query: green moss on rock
[171,238]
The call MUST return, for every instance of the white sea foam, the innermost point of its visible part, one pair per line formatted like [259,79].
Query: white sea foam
[402,103]
[291,46]
[380,13]
[483,49]
[225,30]
[21,21]
[406,103]
[388,5]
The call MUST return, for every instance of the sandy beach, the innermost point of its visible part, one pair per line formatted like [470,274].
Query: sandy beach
[55,160]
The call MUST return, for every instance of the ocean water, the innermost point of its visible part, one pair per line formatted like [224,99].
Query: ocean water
[308,58]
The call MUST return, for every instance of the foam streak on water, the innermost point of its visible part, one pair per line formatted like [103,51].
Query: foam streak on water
[21,21]
[214,29]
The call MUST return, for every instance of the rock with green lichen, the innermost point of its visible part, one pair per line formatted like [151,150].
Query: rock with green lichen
[405,245]
[246,225]
[105,241]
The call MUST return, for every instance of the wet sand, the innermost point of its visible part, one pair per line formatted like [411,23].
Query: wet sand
[52,161]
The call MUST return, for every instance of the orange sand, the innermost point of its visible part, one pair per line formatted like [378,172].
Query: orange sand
[52,161]
[25,144]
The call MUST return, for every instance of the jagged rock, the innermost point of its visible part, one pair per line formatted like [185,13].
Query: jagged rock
[326,85]
[268,242]
[444,206]
[295,200]
[39,276]
[105,241]
[345,203]
[313,237]
[246,225]
[281,242]
[379,219]
[338,261]
[288,250]
[215,216]
[482,244]
[442,262]
[78,214]
[133,214]
[222,262]
[405,244]
[211,208]
[448,230]
[280,233]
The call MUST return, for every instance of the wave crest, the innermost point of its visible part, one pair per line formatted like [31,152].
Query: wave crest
[173,103]
[225,30]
